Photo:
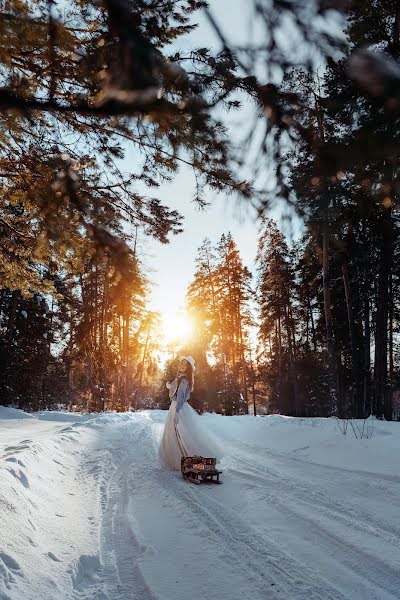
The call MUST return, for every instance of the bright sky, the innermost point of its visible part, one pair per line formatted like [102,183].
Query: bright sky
[172,266]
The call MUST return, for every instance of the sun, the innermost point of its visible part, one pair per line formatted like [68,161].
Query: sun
[176,327]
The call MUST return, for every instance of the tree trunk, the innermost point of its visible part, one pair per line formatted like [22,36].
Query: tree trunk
[217,311]
[253,389]
[125,342]
[279,364]
[102,313]
[332,364]
[312,324]
[382,399]
[389,391]
[11,318]
[367,352]
[96,308]
[244,369]
[355,359]
[294,409]
[144,357]
[230,304]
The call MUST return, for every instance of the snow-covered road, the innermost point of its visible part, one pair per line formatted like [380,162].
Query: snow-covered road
[304,513]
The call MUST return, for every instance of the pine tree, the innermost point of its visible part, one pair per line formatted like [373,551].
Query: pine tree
[82,84]
[352,210]
[275,284]
[25,350]
[217,300]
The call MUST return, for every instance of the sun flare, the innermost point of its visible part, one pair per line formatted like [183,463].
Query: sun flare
[176,327]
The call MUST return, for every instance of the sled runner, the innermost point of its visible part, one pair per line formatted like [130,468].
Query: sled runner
[198,469]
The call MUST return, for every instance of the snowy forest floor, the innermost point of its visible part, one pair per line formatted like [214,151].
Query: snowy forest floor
[304,512]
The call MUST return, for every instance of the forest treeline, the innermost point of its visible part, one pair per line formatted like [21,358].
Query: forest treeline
[94,108]
[268,333]
[98,108]
[259,336]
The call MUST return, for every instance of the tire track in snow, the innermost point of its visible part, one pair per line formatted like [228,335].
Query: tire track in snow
[294,581]
[379,579]
[355,517]
[366,567]
[145,476]
[385,484]
[263,560]
[271,569]
[120,548]
[293,498]
[294,483]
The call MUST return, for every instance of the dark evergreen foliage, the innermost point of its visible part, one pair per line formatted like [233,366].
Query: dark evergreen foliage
[83,84]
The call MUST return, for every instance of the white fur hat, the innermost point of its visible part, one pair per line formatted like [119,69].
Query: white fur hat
[189,359]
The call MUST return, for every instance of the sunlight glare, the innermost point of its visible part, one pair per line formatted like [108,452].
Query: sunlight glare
[176,327]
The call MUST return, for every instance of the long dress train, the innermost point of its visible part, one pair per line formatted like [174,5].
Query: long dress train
[184,433]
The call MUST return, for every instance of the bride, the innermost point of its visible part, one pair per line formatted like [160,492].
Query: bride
[184,433]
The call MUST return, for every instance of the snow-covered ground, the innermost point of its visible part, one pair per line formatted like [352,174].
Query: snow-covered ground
[304,512]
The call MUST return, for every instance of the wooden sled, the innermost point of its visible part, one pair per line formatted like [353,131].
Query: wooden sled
[198,469]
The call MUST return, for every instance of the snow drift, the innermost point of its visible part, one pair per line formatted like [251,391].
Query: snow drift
[304,513]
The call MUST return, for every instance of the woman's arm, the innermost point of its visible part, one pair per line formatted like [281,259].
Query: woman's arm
[183,394]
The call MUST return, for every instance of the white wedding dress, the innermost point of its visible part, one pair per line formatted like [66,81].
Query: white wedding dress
[184,432]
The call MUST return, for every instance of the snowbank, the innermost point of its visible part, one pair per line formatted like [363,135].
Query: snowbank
[13,413]
[305,513]
[44,518]
[319,440]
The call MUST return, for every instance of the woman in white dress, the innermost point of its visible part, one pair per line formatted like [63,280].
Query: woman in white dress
[184,433]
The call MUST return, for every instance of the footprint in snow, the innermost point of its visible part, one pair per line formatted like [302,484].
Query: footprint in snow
[9,562]
[85,571]
[20,476]
[15,448]
[15,460]
[53,557]
[9,568]
[302,448]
